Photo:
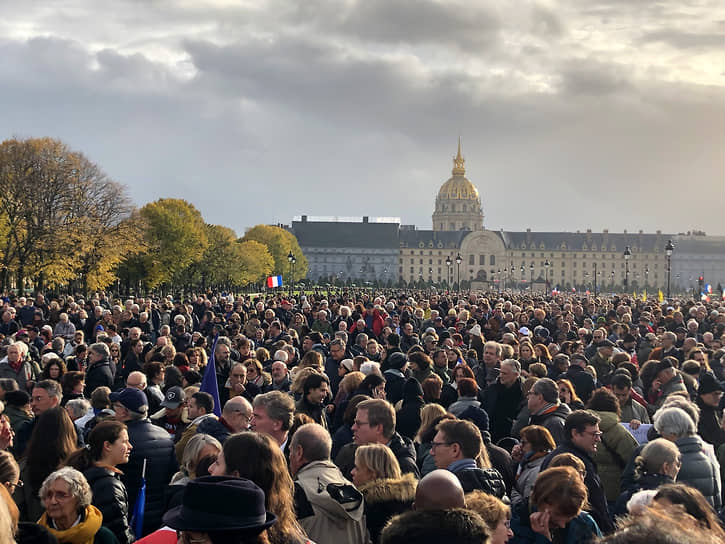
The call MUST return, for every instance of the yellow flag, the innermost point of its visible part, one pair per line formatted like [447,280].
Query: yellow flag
[644,295]
[634,295]
[660,296]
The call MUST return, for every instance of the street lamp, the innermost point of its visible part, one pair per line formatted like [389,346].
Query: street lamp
[595,279]
[430,275]
[586,280]
[449,263]
[627,255]
[499,281]
[294,265]
[547,264]
[646,276]
[290,258]
[459,260]
[612,278]
[531,267]
[669,248]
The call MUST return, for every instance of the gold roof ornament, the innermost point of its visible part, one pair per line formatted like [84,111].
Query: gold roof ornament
[458,187]
[459,161]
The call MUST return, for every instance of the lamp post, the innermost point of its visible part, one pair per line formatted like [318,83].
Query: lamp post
[499,281]
[547,264]
[523,278]
[669,248]
[627,255]
[430,275]
[646,276]
[459,260]
[294,265]
[531,267]
[595,279]
[290,258]
[449,263]
[612,279]
[586,280]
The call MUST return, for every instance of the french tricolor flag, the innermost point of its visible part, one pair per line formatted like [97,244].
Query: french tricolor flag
[274,281]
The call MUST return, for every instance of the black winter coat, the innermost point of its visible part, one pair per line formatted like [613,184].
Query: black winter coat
[97,375]
[404,452]
[156,446]
[110,497]
[487,480]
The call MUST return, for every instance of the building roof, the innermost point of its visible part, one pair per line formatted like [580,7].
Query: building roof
[343,234]
[585,241]
[431,239]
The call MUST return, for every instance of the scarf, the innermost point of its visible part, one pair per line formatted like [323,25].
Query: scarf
[82,533]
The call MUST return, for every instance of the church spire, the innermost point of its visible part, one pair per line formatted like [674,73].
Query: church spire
[459,161]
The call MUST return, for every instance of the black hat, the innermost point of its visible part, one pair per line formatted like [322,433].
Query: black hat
[629,338]
[221,503]
[708,384]
[681,329]
[17,398]
[397,360]
[606,343]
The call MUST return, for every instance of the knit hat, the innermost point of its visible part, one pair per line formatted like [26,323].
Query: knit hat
[708,384]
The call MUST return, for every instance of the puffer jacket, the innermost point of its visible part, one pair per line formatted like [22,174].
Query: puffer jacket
[404,452]
[615,449]
[487,480]
[109,496]
[215,427]
[385,498]
[329,508]
[156,446]
[697,470]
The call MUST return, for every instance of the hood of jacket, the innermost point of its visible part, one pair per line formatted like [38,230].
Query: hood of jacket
[327,489]
[390,489]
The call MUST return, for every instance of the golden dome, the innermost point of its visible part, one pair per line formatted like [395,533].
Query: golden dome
[458,187]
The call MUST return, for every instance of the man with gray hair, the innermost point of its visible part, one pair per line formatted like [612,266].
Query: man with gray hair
[502,399]
[328,506]
[99,372]
[546,410]
[273,413]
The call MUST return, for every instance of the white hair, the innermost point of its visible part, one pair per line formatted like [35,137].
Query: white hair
[370,367]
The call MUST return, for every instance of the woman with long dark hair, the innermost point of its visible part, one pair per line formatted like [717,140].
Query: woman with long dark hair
[257,457]
[53,440]
[108,446]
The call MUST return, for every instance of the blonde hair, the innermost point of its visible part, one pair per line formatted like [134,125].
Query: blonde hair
[428,415]
[492,510]
[379,459]
[351,381]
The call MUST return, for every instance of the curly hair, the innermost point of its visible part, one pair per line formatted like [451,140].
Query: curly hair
[77,485]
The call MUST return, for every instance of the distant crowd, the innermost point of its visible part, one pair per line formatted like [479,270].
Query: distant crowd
[361,418]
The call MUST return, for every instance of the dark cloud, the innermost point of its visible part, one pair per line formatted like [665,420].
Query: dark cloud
[259,112]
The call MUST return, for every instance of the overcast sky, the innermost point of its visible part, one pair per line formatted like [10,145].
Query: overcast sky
[573,114]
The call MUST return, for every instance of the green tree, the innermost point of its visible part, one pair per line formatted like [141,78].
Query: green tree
[280,243]
[257,263]
[176,238]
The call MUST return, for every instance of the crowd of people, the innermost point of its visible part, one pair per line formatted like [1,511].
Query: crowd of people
[361,418]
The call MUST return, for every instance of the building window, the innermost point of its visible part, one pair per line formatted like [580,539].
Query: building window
[471,260]
[481,260]
[492,260]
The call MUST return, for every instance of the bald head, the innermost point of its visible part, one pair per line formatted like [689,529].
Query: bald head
[439,490]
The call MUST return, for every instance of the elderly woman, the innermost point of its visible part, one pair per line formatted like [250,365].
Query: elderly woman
[697,470]
[64,328]
[69,515]
[494,512]
[657,464]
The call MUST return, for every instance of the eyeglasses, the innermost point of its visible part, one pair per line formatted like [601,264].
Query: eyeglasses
[361,423]
[13,487]
[595,434]
[439,444]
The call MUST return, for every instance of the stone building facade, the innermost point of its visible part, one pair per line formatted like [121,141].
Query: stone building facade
[389,252]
